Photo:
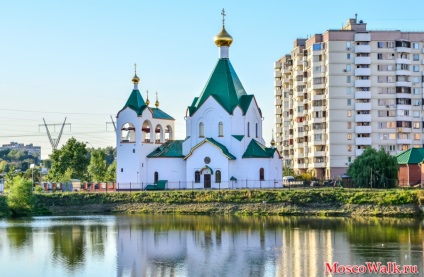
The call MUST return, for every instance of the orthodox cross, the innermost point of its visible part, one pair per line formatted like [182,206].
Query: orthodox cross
[223,17]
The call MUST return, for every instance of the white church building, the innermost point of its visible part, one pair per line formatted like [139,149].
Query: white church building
[223,147]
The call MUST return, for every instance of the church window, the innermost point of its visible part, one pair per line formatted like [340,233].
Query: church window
[201,130]
[221,129]
[128,133]
[218,176]
[248,129]
[256,130]
[156,177]
[146,129]
[197,176]
[158,134]
[168,133]
[261,174]
[122,170]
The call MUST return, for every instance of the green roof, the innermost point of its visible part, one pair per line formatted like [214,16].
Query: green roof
[170,149]
[158,113]
[225,87]
[238,137]
[222,147]
[258,150]
[411,156]
[135,102]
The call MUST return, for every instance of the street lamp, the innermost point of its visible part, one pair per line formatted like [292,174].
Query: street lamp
[32,167]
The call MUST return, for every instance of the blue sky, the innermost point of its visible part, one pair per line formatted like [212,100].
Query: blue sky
[75,58]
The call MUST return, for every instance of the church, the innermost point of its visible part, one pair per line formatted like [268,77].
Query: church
[223,147]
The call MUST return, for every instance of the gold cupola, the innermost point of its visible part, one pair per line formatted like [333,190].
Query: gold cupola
[147,99]
[135,79]
[157,101]
[223,38]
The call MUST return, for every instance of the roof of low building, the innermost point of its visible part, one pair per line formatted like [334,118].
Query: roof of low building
[258,150]
[411,156]
[170,149]
[220,146]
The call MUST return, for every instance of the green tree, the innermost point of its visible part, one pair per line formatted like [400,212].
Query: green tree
[97,167]
[111,172]
[20,198]
[3,166]
[376,169]
[287,171]
[71,159]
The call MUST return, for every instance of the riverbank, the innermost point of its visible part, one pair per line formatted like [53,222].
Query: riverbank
[322,202]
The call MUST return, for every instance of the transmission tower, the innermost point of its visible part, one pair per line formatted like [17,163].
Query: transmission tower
[54,141]
[112,122]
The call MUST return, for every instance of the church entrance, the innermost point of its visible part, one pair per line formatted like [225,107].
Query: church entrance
[207,181]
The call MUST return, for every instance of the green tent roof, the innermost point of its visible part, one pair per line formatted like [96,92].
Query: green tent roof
[135,102]
[411,156]
[216,144]
[225,87]
[158,113]
[170,149]
[258,150]
[238,137]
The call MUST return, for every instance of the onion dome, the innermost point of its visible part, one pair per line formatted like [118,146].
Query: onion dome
[157,101]
[223,38]
[135,79]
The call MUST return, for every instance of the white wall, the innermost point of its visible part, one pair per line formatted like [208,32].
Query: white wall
[171,169]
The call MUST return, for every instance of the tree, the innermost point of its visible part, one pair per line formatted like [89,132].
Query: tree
[97,167]
[287,171]
[20,198]
[375,169]
[71,159]
[111,172]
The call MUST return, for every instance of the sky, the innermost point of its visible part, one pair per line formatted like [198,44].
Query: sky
[75,59]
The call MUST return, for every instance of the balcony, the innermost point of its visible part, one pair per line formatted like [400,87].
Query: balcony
[403,118]
[318,108]
[278,92]
[404,130]
[362,106]
[363,141]
[362,60]
[363,129]
[286,70]
[277,64]
[362,49]
[277,74]
[362,94]
[318,165]
[358,152]
[362,37]
[362,71]
[362,83]
[404,107]
[403,72]
[278,111]
[318,86]
[278,101]
[286,80]
[317,96]
[317,154]
[404,141]
[403,50]
[362,117]
[405,61]
[403,84]
[277,83]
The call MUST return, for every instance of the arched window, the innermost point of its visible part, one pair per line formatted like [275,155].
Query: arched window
[261,174]
[221,129]
[158,134]
[201,130]
[147,131]
[128,133]
[256,130]
[168,133]
[248,129]
[218,176]
[156,177]
[197,176]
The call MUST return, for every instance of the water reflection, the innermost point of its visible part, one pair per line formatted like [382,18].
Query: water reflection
[178,245]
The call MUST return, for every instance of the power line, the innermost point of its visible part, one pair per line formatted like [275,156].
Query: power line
[27,111]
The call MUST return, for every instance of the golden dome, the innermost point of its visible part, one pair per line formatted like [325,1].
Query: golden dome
[135,79]
[272,142]
[223,38]
[147,99]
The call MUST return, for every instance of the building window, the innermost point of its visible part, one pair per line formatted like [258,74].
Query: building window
[261,174]
[349,159]
[416,57]
[349,125]
[348,45]
[201,130]
[197,176]
[349,113]
[122,170]
[348,68]
[416,125]
[416,91]
[256,130]
[156,177]
[415,45]
[379,56]
[248,129]
[349,148]
[347,79]
[221,129]
[380,44]
[349,136]
[218,176]
[349,102]
[348,56]
[317,47]
[348,91]
[416,68]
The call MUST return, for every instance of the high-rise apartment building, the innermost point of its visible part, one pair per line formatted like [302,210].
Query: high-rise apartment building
[341,91]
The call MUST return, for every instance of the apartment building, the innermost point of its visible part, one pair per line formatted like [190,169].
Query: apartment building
[341,91]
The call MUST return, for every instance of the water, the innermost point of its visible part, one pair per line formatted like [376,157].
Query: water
[174,245]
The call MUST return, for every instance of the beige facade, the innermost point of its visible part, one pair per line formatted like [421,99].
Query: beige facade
[338,92]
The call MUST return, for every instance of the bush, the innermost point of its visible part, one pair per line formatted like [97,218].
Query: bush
[20,198]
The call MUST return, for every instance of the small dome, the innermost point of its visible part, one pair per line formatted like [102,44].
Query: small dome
[273,142]
[135,79]
[223,38]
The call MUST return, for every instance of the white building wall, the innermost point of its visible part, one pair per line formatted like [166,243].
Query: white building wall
[171,169]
